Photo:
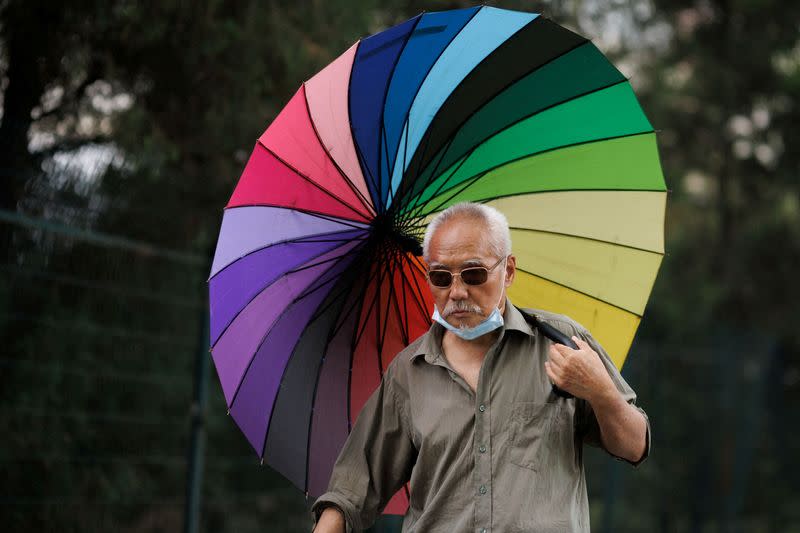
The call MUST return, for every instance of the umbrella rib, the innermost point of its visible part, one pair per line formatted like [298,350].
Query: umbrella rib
[357,306]
[378,345]
[358,334]
[321,310]
[311,289]
[266,335]
[433,176]
[315,240]
[539,19]
[362,327]
[460,83]
[366,171]
[283,376]
[272,282]
[359,154]
[408,196]
[404,329]
[384,143]
[325,308]
[383,104]
[316,214]
[391,298]
[405,289]
[407,129]
[315,184]
[585,238]
[374,299]
[580,292]
[360,302]
[591,189]
[297,240]
[349,182]
[419,87]
[474,179]
[319,375]
[418,298]
[410,224]
[325,216]
[385,255]
[306,266]
[371,275]
[415,207]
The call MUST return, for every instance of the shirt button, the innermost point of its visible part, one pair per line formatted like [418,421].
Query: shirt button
[482,449]
[482,408]
[482,489]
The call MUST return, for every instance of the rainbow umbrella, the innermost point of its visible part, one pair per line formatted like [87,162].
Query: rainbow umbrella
[316,282]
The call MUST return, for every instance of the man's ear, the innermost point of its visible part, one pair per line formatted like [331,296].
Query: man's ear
[511,270]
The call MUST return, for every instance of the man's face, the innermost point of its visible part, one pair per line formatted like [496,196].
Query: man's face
[459,244]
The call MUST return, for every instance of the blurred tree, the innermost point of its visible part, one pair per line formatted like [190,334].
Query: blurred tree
[723,89]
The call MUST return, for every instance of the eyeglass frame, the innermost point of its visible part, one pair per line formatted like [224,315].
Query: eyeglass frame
[454,274]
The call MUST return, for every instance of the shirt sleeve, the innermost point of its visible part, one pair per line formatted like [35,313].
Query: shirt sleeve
[374,463]
[587,421]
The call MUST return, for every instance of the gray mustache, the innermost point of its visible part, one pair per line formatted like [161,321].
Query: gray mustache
[461,305]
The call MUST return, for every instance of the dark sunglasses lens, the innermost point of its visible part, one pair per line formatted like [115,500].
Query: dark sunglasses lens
[440,278]
[474,276]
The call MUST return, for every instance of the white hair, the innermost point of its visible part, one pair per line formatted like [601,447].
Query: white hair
[498,236]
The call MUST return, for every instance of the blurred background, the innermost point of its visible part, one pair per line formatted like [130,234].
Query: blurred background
[124,127]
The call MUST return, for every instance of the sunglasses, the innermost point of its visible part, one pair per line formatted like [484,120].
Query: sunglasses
[471,276]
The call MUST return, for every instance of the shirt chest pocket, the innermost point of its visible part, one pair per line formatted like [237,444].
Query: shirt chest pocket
[536,432]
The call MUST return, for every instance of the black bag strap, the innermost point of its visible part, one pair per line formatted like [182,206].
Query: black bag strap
[554,335]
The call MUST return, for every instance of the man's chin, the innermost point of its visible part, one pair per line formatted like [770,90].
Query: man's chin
[462,322]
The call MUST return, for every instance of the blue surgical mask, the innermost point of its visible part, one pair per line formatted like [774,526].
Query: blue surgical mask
[489,324]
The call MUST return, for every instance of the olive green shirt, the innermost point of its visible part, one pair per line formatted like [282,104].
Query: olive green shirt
[505,458]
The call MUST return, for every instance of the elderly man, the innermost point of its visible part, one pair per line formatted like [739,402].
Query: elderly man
[467,414]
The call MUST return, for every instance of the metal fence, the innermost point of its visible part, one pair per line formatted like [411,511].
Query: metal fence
[105,372]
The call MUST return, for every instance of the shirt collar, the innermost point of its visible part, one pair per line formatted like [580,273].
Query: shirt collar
[431,345]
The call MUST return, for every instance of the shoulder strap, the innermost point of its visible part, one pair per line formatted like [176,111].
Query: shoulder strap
[547,330]
[554,335]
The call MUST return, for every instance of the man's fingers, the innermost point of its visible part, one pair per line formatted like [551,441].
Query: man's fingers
[556,356]
[585,347]
[551,372]
[582,344]
[562,349]
[555,374]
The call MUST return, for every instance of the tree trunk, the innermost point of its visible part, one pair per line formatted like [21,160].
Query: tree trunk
[26,84]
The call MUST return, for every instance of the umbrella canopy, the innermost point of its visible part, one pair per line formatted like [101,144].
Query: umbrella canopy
[316,282]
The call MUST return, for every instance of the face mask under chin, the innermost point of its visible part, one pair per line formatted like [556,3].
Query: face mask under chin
[489,324]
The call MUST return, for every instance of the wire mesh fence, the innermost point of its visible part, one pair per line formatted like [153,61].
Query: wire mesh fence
[100,337]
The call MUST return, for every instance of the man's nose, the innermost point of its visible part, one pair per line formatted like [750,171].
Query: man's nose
[458,289]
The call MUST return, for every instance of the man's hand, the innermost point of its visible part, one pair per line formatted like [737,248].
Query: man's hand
[579,372]
[330,521]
